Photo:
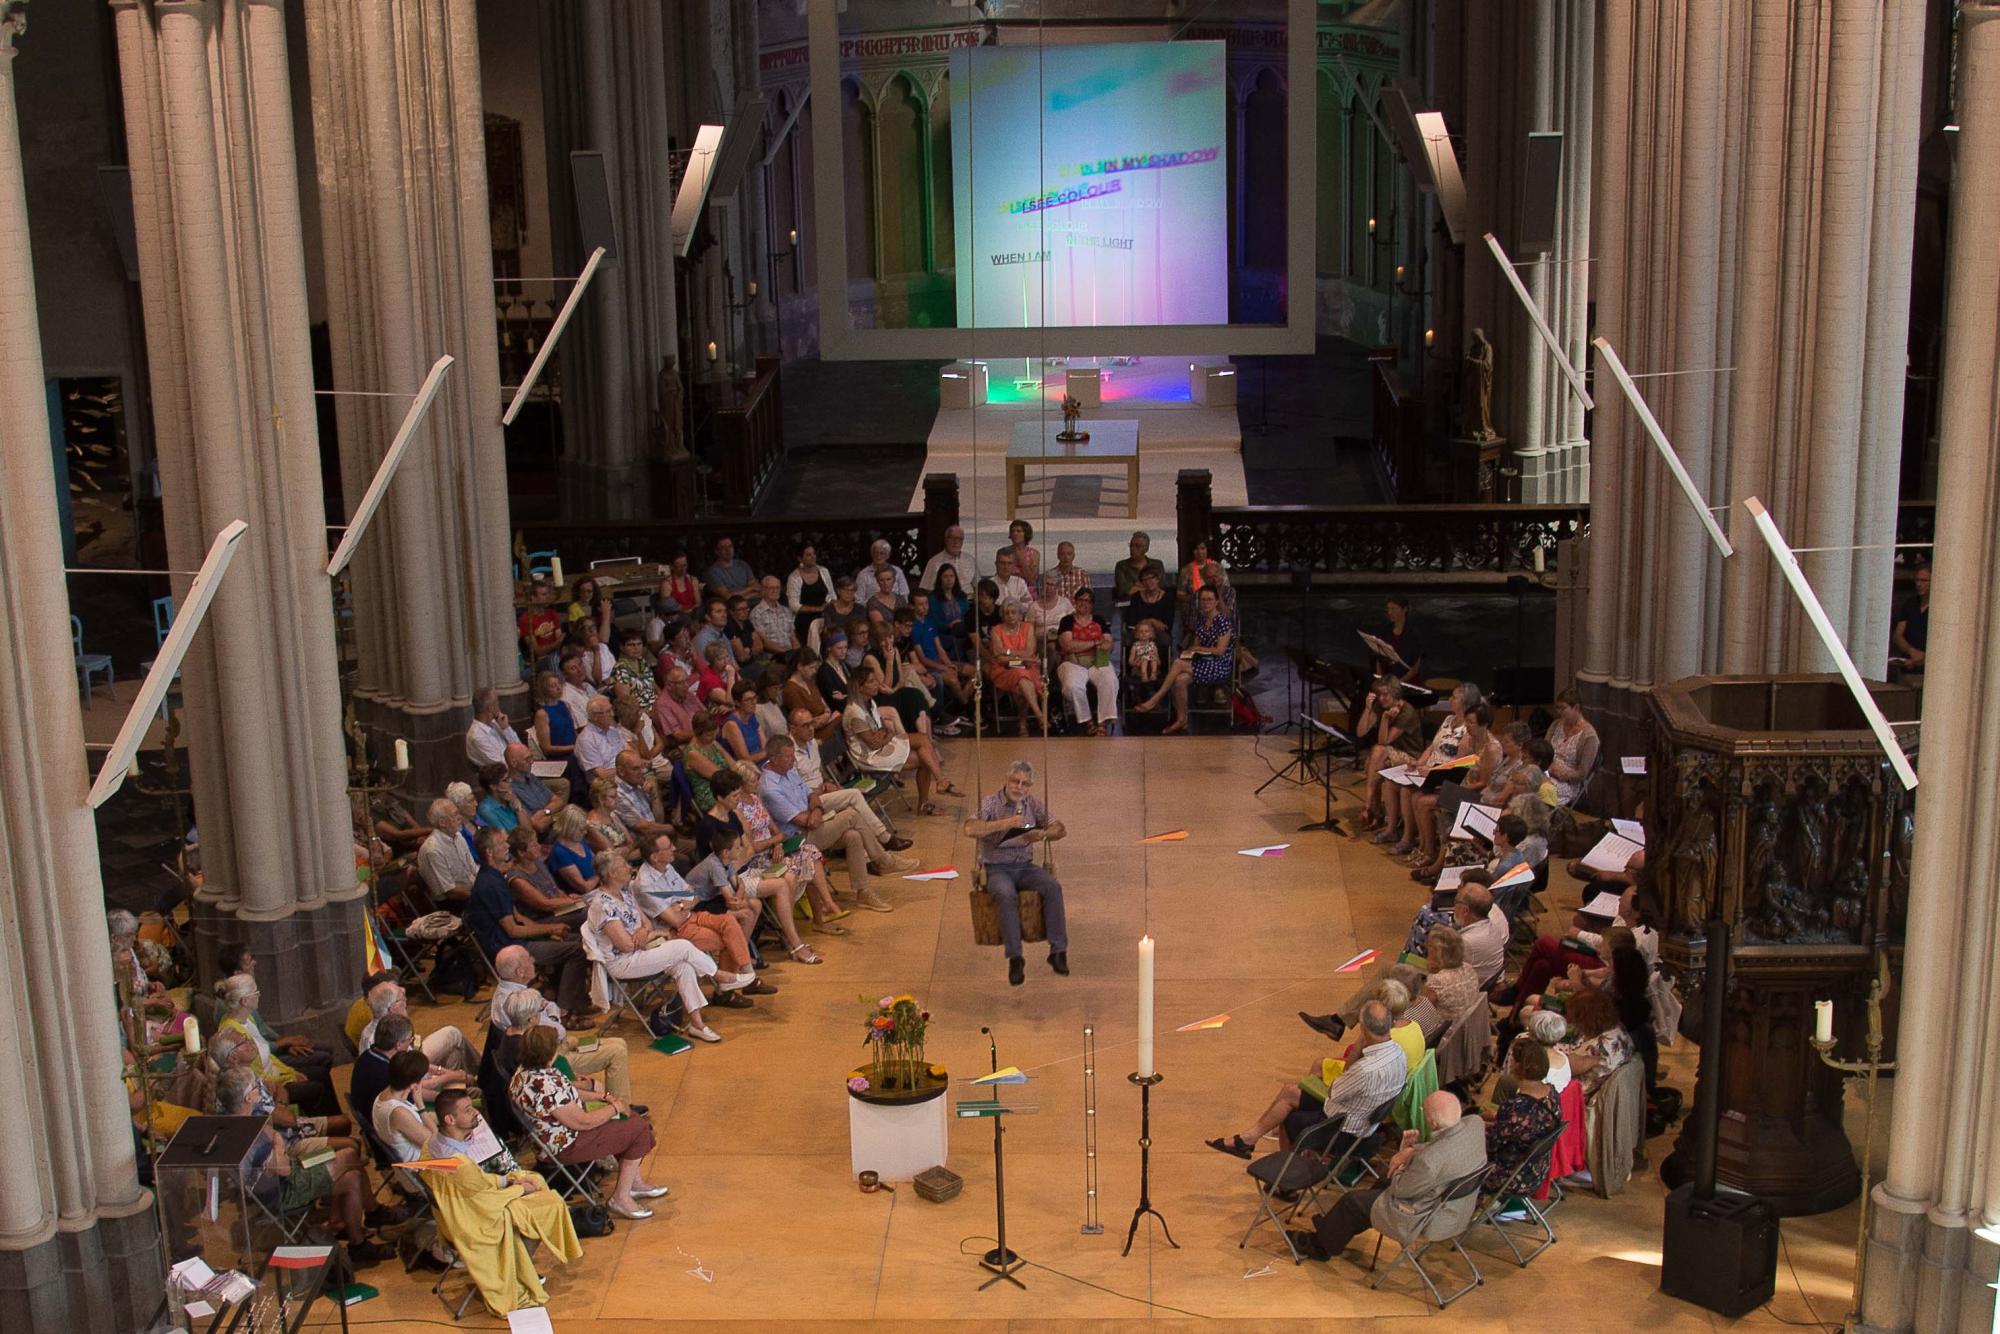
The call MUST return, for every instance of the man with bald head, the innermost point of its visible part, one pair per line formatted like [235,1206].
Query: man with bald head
[674,711]
[952,555]
[1373,1078]
[487,739]
[444,861]
[598,744]
[1419,1176]
[607,1054]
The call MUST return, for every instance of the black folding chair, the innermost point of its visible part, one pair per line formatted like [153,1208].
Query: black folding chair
[1295,1176]
[1517,1189]
[1465,1187]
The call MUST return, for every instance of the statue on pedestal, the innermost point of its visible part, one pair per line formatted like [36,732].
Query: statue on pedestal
[668,425]
[1476,390]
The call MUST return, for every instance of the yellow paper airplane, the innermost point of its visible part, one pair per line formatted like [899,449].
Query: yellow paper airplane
[1203,1025]
[1010,1074]
[1171,836]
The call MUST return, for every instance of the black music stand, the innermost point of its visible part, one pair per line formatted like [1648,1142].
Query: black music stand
[1334,739]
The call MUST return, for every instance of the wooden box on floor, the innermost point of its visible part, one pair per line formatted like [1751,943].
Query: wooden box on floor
[986,918]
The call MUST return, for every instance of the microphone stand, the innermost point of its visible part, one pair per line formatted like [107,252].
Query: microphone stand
[1000,1260]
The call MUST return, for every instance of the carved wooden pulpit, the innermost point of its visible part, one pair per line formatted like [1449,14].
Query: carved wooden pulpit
[1770,806]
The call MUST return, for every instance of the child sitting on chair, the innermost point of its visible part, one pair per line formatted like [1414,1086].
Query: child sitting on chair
[1144,659]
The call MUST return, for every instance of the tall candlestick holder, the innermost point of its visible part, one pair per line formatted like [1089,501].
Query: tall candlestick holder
[1145,1083]
[1869,1071]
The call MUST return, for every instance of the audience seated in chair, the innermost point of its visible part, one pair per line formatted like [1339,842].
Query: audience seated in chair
[446,1047]
[1374,1077]
[1524,1114]
[490,1212]
[1084,661]
[1451,987]
[498,925]
[1575,743]
[1399,826]
[286,1186]
[620,938]
[1013,663]
[239,996]
[1393,731]
[577,1134]
[830,817]
[1419,1175]
[1127,574]
[1207,660]
[877,742]
[489,735]
[445,860]
[604,1054]
[1437,810]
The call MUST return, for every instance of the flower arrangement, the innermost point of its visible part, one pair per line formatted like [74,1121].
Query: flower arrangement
[1071,410]
[894,1034]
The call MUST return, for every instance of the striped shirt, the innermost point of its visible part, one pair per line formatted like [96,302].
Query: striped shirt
[1376,1076]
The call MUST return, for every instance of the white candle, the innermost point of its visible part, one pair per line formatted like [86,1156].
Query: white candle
[795,236]
[191,1034]
[1823,1021]
[753,293]
[711,349]
[1538,560]
[402,755]
[132,769]
[555,569]
[1145,1007]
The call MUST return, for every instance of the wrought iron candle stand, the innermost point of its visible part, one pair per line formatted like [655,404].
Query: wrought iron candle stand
[1145,1083]
[1870,1071]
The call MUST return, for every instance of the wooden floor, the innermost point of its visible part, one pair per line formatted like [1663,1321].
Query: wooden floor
[753,1133]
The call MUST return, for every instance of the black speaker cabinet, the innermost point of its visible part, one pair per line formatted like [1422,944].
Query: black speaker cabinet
[1721,1254]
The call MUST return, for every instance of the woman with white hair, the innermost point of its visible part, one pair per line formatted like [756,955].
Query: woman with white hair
[239,995]
[286,1185]
[622,940]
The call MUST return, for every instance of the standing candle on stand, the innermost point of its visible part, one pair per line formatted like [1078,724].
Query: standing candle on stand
[555,570]
[1145,1007]
[1823,1021]
[402,755]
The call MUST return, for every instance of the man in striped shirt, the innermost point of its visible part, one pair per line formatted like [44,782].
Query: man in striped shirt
[1373,1078]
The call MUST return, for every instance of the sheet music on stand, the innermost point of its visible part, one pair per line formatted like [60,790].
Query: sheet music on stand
[1329,730]
[1383,649]
[1476,822]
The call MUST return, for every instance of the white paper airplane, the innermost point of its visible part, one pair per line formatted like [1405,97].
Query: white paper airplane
[938,873]
[1272,850]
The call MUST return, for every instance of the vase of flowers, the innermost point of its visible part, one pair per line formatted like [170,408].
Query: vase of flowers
[896,1071]
[1071,410]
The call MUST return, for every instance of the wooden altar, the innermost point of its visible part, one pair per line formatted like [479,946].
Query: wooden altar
[1771,806]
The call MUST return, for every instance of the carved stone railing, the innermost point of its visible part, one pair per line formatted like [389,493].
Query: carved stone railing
[1771,807]
[1332,543]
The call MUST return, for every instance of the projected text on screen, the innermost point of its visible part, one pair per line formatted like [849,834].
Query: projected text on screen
[1089,184]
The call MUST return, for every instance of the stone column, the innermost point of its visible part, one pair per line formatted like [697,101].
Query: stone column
[1931,1249]
[78,1246]
[222,281]
[605,72]
[409,274]
[1754,209]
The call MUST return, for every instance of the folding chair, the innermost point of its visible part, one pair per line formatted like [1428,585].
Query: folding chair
[1467,1185]
[571,1180]
[1519,1186]
[1297,1175]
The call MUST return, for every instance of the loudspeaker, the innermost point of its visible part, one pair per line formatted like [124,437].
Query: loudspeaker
[590,184]
[1400,104]
[1541,187]
[1720,1253]
[739,142]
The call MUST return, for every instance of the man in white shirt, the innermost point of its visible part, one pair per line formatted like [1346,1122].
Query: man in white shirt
[852,830]
[772,619]
[516,968]
[598,744]
[1483,930]
[1011,586]
[444,861]
[638,800]
[486,741]
[952,555]
[577,692]
[878,561]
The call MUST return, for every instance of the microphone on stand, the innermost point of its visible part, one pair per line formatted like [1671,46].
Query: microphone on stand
[992,1048]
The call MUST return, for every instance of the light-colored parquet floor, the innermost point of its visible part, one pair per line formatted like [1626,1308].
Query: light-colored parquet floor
[753,1132]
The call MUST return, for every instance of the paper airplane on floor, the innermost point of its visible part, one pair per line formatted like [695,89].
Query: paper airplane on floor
[935,873]
[1360,960]
[1271,850]
[1171,836]
[1203,1025]
[1005,1075]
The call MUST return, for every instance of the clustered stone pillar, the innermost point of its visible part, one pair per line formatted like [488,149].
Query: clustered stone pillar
[1754,212]
[1932,1235]
[1530,70]
[223,286]
[399,132]
[606,74]
[78,1247]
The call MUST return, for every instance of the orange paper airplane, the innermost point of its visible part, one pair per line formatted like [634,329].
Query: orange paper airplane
[1203,1025]
[1171,836]
[1359,960]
